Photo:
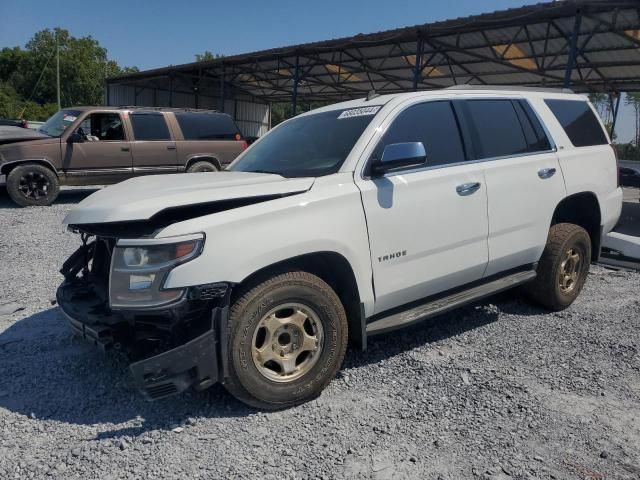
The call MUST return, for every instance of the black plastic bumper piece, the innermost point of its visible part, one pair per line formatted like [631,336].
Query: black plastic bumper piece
[193,364]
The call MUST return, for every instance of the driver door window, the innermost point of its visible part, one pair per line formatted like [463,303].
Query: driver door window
[435,125]
[102,127]
[103,155]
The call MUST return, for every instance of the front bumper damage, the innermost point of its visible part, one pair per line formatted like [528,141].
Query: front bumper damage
[170,350]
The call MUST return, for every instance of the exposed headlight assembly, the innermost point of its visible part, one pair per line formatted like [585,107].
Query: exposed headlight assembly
[139,268]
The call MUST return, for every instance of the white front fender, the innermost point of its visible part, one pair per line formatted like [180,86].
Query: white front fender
[239,242]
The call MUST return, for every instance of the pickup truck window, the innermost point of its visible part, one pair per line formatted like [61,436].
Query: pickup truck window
[432,123]
[579,122]
[149,126]
[207,126]
[308,146]
[498,132]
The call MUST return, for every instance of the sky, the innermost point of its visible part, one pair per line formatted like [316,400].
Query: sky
[157,33]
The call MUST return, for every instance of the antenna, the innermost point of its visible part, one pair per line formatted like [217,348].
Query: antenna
[372,94]
[58,67]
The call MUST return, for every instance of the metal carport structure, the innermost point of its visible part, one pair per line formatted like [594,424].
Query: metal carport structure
[590,46]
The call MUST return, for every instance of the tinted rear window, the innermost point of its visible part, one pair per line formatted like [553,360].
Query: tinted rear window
[149,126]
[498,132]
[579,122]
[206,126]
[533,131]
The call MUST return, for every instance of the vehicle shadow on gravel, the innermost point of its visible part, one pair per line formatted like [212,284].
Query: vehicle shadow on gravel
[448,325]
[47,373]
[66,197]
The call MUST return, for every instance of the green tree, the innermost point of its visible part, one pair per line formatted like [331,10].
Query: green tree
[207,56]
[603,106]
[28,76]
[633,99]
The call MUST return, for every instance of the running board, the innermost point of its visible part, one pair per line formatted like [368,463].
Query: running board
[432,308]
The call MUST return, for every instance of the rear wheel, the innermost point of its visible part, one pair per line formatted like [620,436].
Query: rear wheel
[32,184]
[202,166]
[288,340]
[563,267]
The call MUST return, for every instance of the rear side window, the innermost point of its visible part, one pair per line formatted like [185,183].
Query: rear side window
[497,131]
[533,131]
[579,122]
[149,126]
[207,126]
[432,123]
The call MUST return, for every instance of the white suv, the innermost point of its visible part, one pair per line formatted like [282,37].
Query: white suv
[344,222]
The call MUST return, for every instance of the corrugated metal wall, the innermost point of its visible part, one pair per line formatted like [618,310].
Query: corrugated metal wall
[252,117]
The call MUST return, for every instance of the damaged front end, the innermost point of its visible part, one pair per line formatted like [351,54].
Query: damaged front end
[113,296]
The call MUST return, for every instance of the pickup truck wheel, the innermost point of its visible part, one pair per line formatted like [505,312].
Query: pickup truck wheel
[288,338]
[202,166]
[563,267]
[32,184]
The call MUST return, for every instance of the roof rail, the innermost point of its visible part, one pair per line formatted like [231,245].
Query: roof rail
[171,109]
[509,87]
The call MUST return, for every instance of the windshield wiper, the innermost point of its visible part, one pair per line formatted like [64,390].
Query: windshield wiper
[263,171]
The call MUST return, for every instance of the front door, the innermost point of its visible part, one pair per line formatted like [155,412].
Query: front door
[154,151]
[428,226]
[103,156]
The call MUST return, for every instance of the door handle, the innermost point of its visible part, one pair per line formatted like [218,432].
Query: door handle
[546,173]
[171,147]
[467,188]
[125,149]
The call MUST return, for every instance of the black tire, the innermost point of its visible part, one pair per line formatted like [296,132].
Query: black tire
[202,166]
[246,381]
[32,185]
[551,288]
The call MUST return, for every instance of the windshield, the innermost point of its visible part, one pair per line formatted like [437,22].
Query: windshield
[58,122]
[308,146]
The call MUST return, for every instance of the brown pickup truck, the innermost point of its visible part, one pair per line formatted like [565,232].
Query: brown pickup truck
[102,145]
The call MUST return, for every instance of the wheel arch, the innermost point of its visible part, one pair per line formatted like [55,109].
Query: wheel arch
[582,209]
[6,168]
[336,271]
[203,158]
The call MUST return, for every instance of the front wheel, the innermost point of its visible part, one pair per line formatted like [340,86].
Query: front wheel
[32,184]
[288,338]
[563,267]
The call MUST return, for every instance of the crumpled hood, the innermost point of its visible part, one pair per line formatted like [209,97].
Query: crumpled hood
[142,197]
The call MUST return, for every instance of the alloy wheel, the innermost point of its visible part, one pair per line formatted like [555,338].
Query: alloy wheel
[34,185]
[569,271]
[287,342]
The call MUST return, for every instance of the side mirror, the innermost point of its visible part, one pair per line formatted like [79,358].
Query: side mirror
[400,155]
[75,137]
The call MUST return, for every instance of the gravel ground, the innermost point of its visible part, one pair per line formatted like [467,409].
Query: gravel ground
[498,390]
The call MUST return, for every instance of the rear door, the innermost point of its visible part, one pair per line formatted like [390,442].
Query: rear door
[208,135]
[523,176]
[427,226]
[153,147]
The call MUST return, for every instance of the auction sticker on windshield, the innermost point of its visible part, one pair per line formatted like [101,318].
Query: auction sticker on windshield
[359,112]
